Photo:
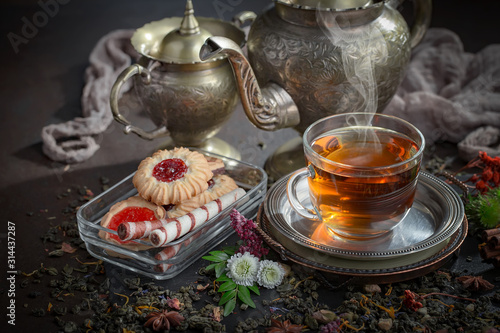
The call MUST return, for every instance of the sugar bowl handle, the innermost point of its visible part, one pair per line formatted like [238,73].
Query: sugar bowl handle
[291,193]
[128,73]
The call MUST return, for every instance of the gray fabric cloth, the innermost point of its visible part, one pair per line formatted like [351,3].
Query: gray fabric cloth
[73,141]
[451,95]
[485,139]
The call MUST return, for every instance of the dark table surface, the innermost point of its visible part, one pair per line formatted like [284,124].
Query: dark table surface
[42,82]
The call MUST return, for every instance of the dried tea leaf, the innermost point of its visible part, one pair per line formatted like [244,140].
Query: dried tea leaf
[372,288]
[217,314]
[174,303]
[201,287]
[284,327]
[56,253]
[68,270]
[67,248]
[324,316]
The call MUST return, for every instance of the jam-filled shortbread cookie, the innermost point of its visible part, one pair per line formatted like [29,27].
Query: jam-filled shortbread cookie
[171,176]
[133,209]
[217,187]
[216,165]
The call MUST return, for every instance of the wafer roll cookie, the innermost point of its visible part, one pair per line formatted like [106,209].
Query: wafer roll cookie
[166,254]
[184,224]
[170,251]
[136,230]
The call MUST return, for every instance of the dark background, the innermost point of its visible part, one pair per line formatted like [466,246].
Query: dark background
[42,83]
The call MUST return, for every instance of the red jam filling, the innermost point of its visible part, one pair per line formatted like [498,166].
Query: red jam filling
[130,214]
[211,183]
[170,170]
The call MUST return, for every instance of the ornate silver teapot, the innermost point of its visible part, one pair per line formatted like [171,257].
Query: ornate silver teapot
[186,98]
[321,57]
[315,58]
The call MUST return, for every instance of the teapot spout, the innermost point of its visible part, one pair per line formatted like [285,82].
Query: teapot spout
[269,109]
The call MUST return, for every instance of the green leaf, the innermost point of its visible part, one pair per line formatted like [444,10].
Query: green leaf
[223,278]
[220,254]
[228,296]
[226,286]
[230,250]
[244,296]
[255,289]
[220,268]
[211,266]
[212,258]
[229,307]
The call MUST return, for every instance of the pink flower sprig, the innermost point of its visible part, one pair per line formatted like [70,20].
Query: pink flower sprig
[252,242]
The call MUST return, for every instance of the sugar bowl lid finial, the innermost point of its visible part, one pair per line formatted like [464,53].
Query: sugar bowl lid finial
[189,24]
[182,45]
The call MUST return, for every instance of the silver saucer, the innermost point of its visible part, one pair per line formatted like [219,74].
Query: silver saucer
[436,214]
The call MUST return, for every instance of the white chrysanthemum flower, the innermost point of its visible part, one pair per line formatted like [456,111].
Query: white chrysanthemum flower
[270,274]
[242,268]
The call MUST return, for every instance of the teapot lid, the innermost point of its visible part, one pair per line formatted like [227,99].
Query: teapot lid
[327,4]
[181,45]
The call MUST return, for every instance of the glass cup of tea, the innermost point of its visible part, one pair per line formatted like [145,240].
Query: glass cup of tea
[362,172]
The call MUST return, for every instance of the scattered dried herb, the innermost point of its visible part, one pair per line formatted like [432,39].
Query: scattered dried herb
[298,303]
[490,175]
[410,301]
[324,316]
[284,327]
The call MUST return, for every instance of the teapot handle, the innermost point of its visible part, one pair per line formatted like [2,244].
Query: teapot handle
[115,94]
[423,13]
[241,18]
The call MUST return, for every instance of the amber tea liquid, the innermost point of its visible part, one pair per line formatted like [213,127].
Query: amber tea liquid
[369,188]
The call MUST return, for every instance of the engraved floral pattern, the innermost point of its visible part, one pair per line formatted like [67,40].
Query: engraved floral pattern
[311,69]
[193,106]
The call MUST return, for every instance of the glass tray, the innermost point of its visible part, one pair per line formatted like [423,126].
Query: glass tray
[187,248]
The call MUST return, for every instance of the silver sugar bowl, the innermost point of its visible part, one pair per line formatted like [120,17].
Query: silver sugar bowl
[186,98]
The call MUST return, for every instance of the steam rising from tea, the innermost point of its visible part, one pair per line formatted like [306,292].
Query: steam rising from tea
[361,48]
